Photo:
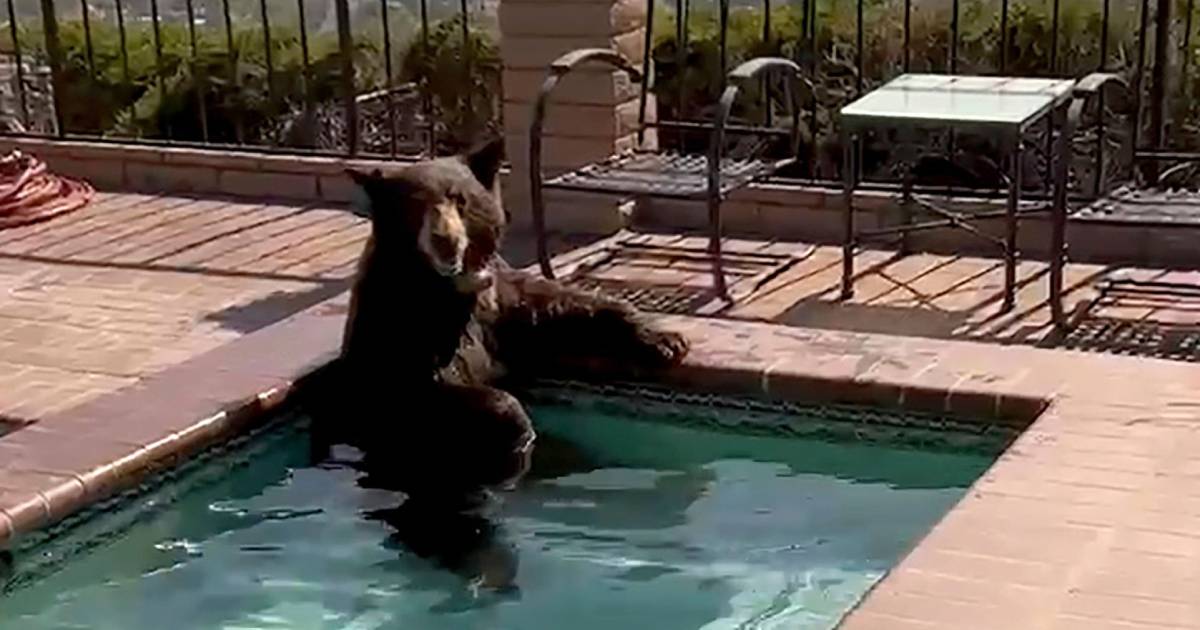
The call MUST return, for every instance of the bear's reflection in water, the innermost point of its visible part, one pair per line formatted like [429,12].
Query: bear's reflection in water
[454,485]
[462,537]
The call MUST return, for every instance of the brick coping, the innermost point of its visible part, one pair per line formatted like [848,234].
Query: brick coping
[75,458]
[89,452]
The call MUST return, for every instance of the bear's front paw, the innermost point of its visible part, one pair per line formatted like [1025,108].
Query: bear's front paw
[669,348]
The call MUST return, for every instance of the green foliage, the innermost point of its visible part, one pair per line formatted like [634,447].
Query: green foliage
[241,99]
[139,94]
[462,81]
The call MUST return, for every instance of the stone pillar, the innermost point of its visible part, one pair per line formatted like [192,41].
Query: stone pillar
[593,112]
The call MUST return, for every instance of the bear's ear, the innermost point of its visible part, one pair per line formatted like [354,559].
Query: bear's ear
[484,161]
[368,187]
[365,179]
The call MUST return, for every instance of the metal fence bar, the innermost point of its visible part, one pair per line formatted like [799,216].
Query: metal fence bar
[1105,18]
[1186,46]
[201,80]
[954,11]
[1144,20]
[158,57]
[1051,154]
[766,38]
[767,22]
[859,27]
[908,35]
[89,50]
[19,59]
[1101,132]
[681,43]
[647,73]
[121,39]
[54,54]
[306,64]
[239,128]
[346,51]
[809,26]
[1055,9]
[1003,37]
[467,62]
[1158,84]
[428,100]
[723,26]
[267,57]
[388,77]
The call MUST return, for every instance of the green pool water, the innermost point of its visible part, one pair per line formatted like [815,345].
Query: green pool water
[627,520]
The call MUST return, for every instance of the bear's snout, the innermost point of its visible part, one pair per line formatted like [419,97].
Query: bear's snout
[443,239]
[444,248]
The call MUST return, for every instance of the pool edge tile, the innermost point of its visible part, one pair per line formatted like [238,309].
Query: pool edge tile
[27,514]
[234,397]
[64,499]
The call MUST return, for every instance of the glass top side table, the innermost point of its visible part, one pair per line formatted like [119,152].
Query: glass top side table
[1001,107]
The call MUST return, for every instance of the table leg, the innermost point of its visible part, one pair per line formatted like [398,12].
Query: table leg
[1058,222]
[714,243]
[849,238]
[1051,125]
[1010,232]
[908,158]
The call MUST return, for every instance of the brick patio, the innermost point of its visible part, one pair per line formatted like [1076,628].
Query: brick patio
[922,295]
[132,284]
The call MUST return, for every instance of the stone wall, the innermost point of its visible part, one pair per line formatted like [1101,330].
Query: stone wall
[155,169]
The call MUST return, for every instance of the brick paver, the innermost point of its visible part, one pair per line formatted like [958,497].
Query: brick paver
[95,300]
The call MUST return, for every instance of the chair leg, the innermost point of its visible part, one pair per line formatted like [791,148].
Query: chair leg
[1058,225]
[714,246]
[849,181]
[906,209]
[538,209]
[1010,231]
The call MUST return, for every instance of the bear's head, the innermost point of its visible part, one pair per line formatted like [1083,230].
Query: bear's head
[448,211]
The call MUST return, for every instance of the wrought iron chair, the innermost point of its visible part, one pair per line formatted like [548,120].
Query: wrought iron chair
[1170,202]
[646,173]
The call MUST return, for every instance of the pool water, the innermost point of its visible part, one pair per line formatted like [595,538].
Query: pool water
[626,520]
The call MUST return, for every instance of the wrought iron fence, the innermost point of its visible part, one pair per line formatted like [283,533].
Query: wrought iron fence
[850,46]
[392,77]
[419,76]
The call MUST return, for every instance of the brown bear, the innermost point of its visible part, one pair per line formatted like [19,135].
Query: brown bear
[437,318]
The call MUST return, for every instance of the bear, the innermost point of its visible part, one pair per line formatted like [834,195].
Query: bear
[438,320]
[438,323]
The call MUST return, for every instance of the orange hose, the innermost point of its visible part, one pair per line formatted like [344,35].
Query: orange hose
[29,192]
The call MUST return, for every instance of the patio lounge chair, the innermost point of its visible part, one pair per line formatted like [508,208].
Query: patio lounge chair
[1171,203]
